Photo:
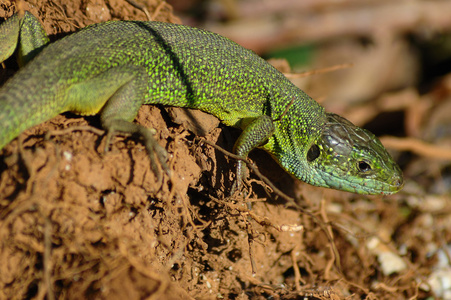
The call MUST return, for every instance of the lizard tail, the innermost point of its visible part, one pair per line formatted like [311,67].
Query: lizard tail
[17,115]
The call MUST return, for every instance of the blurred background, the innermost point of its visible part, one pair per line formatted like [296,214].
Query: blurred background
[383,64]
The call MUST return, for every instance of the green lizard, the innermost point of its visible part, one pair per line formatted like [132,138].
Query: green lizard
[113,68]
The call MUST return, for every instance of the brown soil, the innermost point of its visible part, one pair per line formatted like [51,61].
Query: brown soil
[79,223]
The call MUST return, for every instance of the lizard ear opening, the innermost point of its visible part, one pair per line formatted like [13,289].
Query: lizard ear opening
[313,153]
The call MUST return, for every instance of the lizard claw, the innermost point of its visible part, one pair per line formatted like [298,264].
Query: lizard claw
[154,150]
[161,156]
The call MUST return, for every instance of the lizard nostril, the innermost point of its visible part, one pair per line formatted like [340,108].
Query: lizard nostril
[398,182]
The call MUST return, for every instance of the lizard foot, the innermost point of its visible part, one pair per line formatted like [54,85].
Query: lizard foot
[153,148]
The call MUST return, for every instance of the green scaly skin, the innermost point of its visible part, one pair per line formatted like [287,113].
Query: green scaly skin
[113,68]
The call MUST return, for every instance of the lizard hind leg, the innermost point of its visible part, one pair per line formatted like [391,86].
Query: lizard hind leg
[117,94]
[121,109]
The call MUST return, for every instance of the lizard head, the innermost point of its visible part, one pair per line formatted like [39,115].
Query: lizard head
[349,158]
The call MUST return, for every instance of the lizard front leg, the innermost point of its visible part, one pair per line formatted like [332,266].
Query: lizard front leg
[256,131]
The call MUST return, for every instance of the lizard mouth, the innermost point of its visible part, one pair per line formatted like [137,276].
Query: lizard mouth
[382,187]
[366,186]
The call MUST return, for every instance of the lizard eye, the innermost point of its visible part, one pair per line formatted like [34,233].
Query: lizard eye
[364,166]
[313,153]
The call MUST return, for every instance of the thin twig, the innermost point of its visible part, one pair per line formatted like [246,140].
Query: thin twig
[297,272]
[158,9]
[417,146]
[318,71]
[250,239]
[72,129]
[140,7]
[47,259]
[263,221]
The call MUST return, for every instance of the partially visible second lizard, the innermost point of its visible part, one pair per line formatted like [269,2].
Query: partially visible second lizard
[113,68]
